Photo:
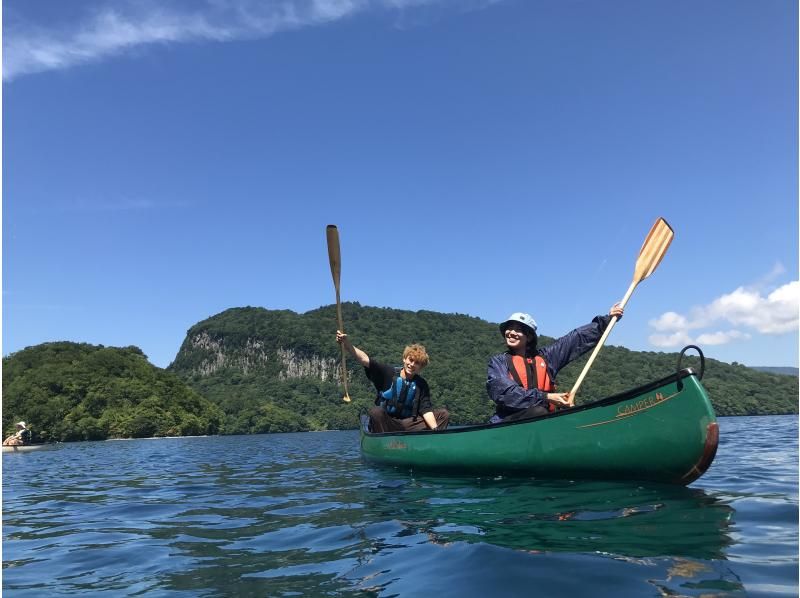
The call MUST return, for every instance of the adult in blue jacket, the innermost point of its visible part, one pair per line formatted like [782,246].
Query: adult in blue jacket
[520,397]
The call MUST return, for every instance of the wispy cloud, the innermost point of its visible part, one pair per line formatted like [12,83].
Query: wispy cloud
[40,307]
[116,27]
[124,205]
[757,309]
[117,204]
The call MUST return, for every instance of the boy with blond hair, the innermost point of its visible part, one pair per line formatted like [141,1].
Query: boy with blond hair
[403,403]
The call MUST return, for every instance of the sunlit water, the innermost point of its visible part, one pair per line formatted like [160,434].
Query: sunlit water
[300,514]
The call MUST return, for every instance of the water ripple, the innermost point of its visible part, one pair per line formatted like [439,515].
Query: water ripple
[300,514]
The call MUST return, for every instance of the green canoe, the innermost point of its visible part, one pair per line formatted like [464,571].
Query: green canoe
[664,431]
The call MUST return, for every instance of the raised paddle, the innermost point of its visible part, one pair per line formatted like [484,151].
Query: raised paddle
[650,255]
[336,268]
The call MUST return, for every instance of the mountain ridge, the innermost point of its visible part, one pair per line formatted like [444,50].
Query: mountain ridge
[289,353]
[254,370]
[781,370]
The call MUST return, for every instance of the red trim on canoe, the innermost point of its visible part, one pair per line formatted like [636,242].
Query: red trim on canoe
[709,452]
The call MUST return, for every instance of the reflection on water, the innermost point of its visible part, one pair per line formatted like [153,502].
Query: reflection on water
[301,514]
[618,518]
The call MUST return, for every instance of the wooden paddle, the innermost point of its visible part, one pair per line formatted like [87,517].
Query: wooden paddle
[336,268]
[650,255]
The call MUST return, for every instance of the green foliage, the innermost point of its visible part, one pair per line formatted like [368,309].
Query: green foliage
[733,389]
[69,391]
[251,370]
[232,359]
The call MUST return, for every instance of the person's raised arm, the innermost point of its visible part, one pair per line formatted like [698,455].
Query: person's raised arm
[360,355]
[579,341]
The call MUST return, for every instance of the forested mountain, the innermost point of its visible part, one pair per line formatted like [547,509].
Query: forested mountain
[275,370]
[252,370]
[70,391]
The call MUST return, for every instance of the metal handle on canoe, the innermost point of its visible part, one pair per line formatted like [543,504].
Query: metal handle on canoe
[702,363]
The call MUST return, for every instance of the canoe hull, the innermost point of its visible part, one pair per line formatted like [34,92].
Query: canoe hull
[665,431]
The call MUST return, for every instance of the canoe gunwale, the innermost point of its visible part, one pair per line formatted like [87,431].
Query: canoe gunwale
[623,396]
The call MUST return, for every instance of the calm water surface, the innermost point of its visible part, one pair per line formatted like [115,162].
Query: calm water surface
[300,514]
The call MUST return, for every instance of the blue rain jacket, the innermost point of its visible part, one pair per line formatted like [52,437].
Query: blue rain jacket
[509,397]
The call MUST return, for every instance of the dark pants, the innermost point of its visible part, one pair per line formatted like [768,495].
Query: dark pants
[533,411]
[380,421]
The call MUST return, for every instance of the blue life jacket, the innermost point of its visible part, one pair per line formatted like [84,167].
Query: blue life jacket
[398,399]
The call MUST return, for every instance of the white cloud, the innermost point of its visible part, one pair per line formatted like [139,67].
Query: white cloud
[675,339]
[777,312]
[721,338]
[28,49]
[777,270]
[774,314]
[670,321]
[120,26]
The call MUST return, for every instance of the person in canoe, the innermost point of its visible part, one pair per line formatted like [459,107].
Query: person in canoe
[22,436]
[521,381]
[403,403]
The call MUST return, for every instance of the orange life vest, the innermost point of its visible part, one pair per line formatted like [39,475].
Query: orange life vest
[531,373]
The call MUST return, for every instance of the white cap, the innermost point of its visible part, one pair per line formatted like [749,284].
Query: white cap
[522,318]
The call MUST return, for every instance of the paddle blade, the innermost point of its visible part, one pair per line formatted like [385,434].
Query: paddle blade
[335,258]
[653,250]
[333,253]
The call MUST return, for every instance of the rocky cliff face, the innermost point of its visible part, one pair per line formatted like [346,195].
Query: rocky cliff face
[296,366]
[253,356]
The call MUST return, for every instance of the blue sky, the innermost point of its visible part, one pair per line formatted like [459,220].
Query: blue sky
[164,161]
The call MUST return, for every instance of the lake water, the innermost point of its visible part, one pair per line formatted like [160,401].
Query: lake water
[301,515]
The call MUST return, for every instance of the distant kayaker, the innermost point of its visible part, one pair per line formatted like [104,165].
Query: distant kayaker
[404,399]
[22,436]
[521,381]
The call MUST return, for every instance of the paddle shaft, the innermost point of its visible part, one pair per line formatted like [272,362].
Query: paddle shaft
[652,252]
[602,340]
[340,322]
[334,256]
